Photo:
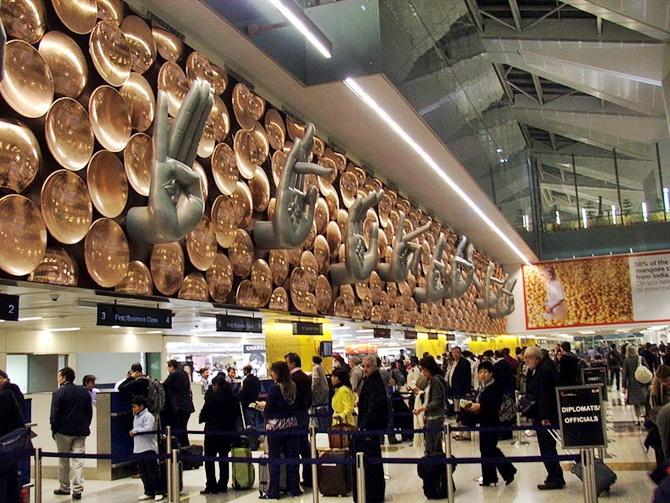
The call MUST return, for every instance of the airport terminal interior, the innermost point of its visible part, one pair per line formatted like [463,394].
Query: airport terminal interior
[335,250]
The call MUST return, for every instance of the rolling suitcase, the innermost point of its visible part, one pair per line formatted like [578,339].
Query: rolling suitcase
[264,477]
[434,477]
[335,479]
[605,476]
[243,473]
[193,451]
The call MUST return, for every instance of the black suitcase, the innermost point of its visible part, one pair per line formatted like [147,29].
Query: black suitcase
[191,450]
[605,476]
[434,477]
[335,479]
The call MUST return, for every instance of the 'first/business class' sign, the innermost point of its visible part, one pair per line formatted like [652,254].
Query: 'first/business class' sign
[110,315]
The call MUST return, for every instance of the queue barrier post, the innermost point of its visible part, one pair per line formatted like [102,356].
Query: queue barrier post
[314,468]
[175,476]
[450,467]
[360,477]
[519,434]
[38,475]
[168,466]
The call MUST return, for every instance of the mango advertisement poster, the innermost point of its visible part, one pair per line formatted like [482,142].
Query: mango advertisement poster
[597,291]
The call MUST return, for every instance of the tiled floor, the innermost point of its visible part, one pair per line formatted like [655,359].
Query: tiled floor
[628,459]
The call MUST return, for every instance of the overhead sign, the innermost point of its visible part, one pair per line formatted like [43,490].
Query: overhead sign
[307,328]
[133,316]
[9,307]
[596,376]
[432,336]
[228,323]
[254,348]
[410,335]
[381,333]
[581,417]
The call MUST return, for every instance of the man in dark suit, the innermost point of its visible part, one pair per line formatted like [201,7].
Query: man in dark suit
[249,392]
[178,401]
[373,414]
[303,401]
[541,390]
[569,372]
[10,420]
[459,379]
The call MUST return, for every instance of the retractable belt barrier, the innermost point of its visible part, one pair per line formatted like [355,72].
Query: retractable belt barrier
[173,456]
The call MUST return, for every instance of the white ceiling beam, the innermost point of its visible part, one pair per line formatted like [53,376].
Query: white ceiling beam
[516,15]
[538,88]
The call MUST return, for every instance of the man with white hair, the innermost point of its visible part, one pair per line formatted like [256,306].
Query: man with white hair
[543,410]
[356,376]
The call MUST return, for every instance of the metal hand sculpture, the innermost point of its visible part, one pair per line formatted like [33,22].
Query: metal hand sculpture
[360,260]
[457,283]
[497,295]
[404,252]
[294,211]
[435,289]
[176,203]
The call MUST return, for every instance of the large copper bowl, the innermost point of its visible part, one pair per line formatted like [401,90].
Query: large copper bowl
[274,125]
[173,81]
[24,19]
[207,141]
[167,267]
[194,287]
[69,134]
[20,156]
[137,160]
[169,46]
[66,206]
[106,253]
[241,254]
[224,168]
[28,85]
[247,106]
[137,281]
[111,10]
[107,183]
[224,219]
[23,235]
[110,118]
[57,268]
[219,119]
[67,63]
[141,101]
[294,128]
[220,278]
[141,41]
[279,266]
[322,254]
[110,52]
[199,67]
[279,159]
[78,16]
[220,79]
[251,150]
[324,294]
[246,295]
[201,244]
[261,279]
[279,299]
[259,186]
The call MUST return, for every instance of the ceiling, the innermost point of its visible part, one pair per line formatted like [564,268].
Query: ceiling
[343,120]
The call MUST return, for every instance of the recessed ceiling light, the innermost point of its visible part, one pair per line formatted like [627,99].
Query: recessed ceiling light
[304,25]
[432,164]
[31,318]
[69,329]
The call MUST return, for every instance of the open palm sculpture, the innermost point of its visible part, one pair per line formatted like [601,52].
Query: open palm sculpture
[462,270]
[176,202]
[294,211]
[406,254]
[497,296]
[360,260]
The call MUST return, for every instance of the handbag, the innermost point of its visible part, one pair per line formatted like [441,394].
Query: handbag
[15,446]
[340,440]
[642,374]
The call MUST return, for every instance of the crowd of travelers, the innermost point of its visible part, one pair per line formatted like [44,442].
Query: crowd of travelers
[361,394]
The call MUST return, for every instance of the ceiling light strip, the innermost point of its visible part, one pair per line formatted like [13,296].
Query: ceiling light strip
[304,25]
[370,102]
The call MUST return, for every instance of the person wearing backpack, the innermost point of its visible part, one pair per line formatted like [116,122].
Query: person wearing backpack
[139,384]
[178,401]
[486,409]
[435,406]
[11,419]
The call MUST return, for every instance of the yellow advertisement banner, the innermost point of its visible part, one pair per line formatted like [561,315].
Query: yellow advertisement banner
[597,291]
[279,340]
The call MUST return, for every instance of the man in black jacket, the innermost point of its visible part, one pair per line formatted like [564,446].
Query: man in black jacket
[71,414]
[541,389]
[373,414]
[178,401]
[11,419]
[249,393]
[136,384]
[459,379]
[569,371]
[303,401]
[220,413]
